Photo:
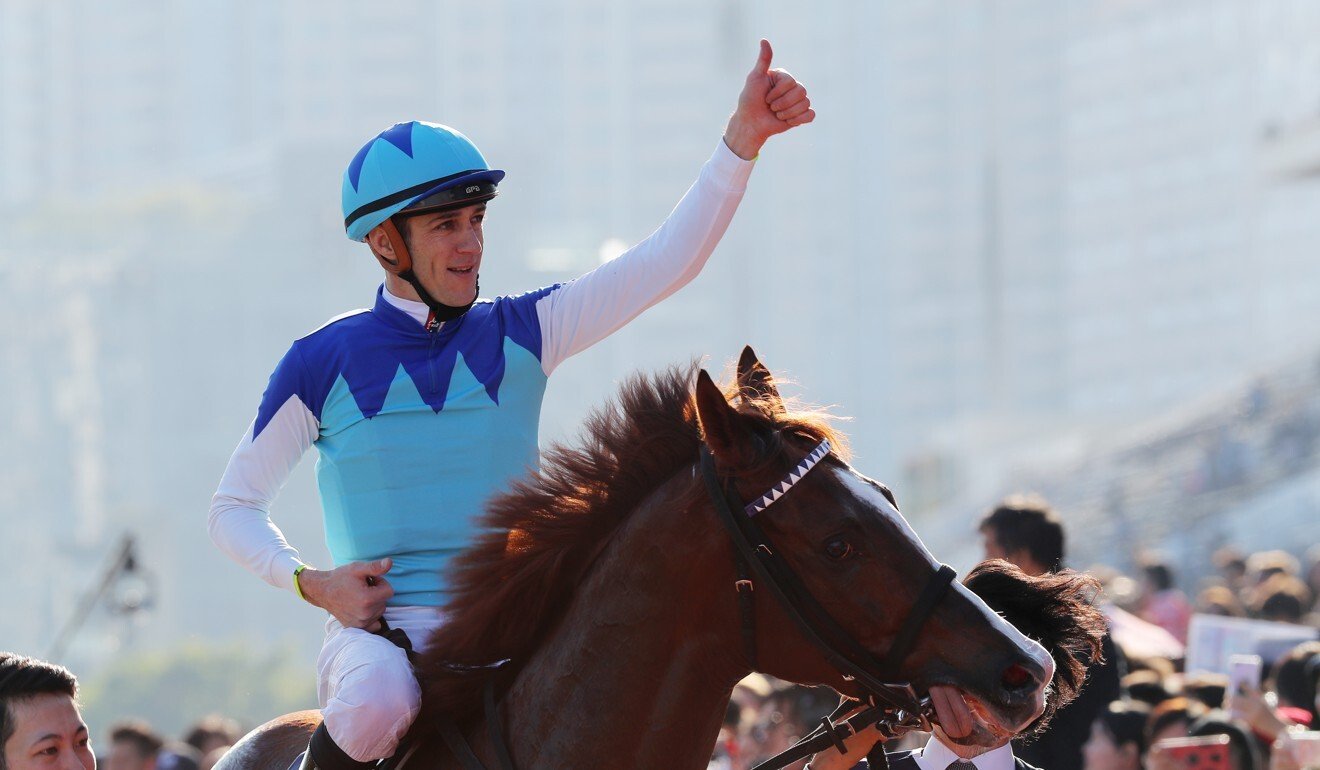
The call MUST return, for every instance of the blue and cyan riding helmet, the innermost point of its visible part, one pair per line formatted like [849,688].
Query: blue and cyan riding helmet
[412,168]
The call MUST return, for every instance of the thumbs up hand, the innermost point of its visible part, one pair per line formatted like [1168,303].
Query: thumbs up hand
[771,102]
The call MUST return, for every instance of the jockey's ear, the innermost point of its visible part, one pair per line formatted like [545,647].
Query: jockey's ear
[722,426]
[754,380]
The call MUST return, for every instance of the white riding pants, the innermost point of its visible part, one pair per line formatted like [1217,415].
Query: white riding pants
[368,693]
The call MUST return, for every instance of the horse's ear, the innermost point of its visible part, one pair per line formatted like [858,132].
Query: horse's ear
[722,426]
[755,378]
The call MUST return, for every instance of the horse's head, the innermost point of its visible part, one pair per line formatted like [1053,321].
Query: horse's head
[842,534]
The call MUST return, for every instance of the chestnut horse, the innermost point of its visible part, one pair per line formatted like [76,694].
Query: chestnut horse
[608,582]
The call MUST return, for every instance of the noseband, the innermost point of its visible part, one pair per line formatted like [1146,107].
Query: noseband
[892,703]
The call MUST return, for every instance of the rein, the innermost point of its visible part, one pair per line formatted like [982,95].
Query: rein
[892,706]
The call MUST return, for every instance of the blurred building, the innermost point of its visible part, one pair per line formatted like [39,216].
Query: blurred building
[1015,225]
[1143,205]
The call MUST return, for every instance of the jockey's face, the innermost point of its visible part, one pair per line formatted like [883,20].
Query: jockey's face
[446,248]
[49,734]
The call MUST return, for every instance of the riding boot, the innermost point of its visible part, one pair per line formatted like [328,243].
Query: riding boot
[324,754]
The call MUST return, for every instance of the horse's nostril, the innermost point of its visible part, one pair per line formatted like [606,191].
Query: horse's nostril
[1016,677]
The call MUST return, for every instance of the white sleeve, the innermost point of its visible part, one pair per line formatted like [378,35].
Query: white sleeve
[239,522]
[584,311]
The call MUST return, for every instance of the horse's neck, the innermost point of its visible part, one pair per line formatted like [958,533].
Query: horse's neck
[639,672]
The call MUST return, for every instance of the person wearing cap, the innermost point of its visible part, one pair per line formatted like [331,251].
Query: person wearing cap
[425,405]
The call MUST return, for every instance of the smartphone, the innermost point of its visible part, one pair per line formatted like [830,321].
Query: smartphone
[1305,749]
[1209,752]
[1243,675]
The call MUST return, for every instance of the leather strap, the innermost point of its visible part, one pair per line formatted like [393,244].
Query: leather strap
[893,707]
[403,267]
[745,589]
[459,746]
[930,596]
[495,726]
[838,647]
[827,735]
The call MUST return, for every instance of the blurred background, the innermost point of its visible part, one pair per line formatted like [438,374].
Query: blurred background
[1027,245]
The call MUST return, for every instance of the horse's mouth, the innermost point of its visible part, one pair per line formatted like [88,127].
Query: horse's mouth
[964,717]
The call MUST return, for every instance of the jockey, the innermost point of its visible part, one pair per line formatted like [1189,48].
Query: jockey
[425,405]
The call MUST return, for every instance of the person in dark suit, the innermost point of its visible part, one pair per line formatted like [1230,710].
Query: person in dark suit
[1055,609]
[1027,532]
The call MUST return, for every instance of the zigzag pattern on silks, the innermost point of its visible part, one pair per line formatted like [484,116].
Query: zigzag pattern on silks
[794,476]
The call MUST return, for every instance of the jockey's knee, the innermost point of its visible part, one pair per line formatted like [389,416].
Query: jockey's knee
[373,707]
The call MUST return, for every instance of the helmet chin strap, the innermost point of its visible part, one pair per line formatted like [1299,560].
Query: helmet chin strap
[403,268]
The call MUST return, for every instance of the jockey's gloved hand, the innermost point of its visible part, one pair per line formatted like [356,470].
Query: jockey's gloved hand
[355,594]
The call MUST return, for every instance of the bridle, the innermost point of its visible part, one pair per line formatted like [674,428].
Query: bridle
[893,706]
[890,703]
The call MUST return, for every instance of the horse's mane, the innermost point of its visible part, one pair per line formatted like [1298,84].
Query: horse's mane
[538,541]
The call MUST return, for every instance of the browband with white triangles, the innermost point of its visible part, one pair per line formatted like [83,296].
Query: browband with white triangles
[794,476]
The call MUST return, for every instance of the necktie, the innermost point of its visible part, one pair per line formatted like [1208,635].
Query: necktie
[961,764]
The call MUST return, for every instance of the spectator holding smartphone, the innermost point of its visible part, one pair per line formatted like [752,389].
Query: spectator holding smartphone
[1288,701]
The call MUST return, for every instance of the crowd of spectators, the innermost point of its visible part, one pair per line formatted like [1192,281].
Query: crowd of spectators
[1161,700]
[1138,694]
[134,745]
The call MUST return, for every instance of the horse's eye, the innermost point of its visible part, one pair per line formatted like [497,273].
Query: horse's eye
[838,549]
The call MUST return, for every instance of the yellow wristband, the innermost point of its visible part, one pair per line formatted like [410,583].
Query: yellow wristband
[297,587]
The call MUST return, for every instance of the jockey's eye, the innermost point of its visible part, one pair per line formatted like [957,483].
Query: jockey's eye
[838,548]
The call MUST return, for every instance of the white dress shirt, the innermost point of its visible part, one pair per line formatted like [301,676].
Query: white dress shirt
[937,756]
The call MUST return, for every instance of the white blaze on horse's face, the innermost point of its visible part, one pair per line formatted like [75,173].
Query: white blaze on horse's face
[865,490]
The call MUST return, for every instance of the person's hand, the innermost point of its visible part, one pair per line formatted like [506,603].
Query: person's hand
[858,745]
[771,102]
[1281,754]
[354,593]
[1249,705]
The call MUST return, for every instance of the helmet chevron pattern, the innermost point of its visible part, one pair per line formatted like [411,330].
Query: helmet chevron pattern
[406,163]
[794,476]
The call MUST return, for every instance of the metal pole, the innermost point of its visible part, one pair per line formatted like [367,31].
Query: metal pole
[120,558]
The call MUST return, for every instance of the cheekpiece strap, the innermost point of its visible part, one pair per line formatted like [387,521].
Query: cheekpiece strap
[794,476]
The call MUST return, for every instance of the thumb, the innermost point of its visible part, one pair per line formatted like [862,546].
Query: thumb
[378,567]
[762,65]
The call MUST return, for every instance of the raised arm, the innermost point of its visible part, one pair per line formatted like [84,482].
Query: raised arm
[584,311]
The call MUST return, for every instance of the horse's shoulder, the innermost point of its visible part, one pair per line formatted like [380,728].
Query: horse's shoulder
[273,745]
